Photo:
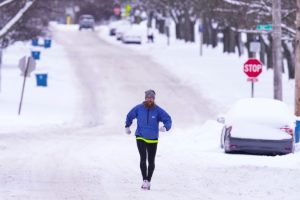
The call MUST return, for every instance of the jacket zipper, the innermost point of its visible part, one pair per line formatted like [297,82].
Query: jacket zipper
[147,116]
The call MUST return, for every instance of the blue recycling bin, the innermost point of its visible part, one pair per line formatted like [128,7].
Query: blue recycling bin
[35,42]
[297,131]
[36,55]
[47,43]
[41,80]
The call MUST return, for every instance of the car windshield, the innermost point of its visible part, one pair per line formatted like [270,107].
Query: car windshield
[86,17]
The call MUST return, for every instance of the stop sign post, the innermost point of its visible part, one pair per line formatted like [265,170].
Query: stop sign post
[252,68]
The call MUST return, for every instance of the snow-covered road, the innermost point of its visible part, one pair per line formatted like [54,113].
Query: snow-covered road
[97,160]
[116,78]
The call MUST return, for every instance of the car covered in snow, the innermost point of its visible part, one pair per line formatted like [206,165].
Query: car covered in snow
[115,25]
[259,126]
[86,21]
[121,28]
[132,35]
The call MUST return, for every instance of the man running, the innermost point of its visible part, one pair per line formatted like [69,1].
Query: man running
[148,116]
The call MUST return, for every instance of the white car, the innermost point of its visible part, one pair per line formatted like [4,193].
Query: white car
[260,126]
[121,28]
[133,35]
[114,25]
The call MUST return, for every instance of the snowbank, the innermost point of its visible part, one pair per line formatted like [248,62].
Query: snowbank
[54,104]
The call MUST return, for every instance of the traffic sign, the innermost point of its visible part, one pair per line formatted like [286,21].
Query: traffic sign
[252,67]
[255,46]
[22,64]
[26,66]
[252,79]
[264,27]
[117,11]
[29,63]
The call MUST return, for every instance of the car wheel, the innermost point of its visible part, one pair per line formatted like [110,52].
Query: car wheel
[293,148]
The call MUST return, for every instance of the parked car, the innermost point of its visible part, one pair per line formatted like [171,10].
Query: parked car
[86,22]
[121,29]
[133,35]
[259,126]
[112,31]
[113,26]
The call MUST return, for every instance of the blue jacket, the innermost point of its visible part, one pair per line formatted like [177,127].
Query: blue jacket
[148,120]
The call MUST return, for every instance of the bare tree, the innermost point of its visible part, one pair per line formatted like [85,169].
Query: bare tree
[33,22]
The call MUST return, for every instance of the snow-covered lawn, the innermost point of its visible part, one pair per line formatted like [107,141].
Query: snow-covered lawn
[41,105]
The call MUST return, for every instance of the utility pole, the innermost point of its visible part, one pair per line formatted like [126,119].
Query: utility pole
[297,67]
[0,68]
[277,56]
[200,30]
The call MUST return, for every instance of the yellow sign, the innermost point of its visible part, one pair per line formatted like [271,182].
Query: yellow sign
[69,20]
[128,9]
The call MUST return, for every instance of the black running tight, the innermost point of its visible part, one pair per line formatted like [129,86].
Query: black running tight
[147,150]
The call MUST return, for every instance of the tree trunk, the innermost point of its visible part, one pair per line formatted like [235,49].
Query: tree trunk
[262,52]
[290,57]
[214,36]
[207,32]
[177,31]
[182,28]
[250,37]
[269,54]
[232,40]
[192,34]
[226,42]
[187,27]
[239,44]
[161,25]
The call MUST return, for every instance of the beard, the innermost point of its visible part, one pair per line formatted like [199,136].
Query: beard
[148,104]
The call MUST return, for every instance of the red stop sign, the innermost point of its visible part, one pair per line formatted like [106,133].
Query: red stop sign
[117,11]
[253,67]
